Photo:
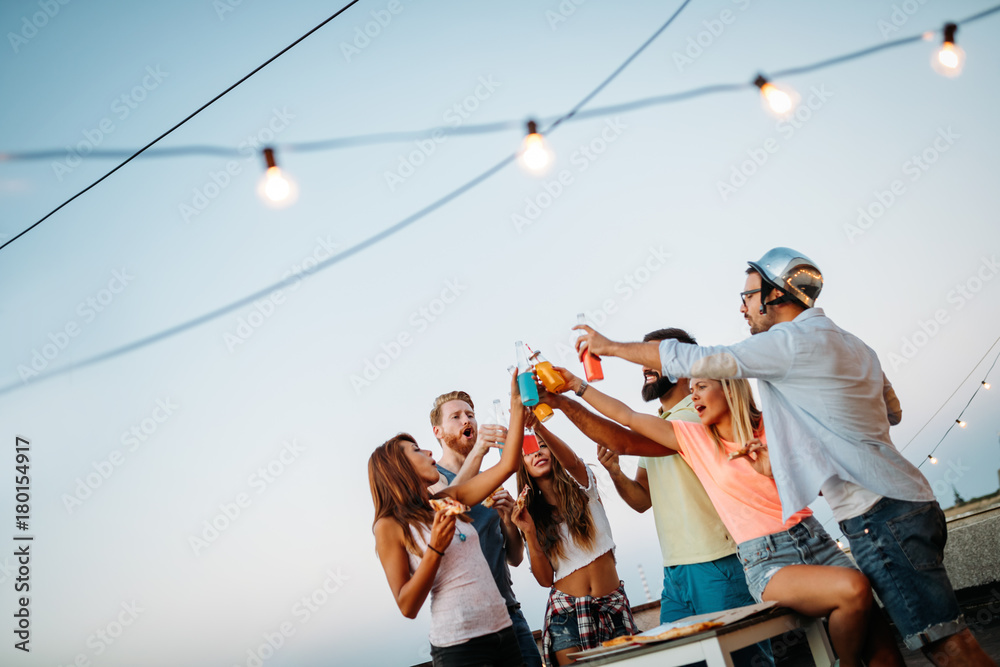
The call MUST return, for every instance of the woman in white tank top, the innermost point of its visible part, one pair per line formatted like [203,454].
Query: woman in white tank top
[571,549]
[425,552]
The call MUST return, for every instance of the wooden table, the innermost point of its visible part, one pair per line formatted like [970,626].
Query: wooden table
[715,646]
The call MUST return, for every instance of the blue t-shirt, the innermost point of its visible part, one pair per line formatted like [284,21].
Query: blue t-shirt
[491,541]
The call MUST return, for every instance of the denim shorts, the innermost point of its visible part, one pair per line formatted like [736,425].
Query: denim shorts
[805,543]
[565,632]
[899,545]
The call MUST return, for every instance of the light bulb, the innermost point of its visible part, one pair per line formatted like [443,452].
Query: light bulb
[961,423]
[840,544]
[930,457]
[535,156]
[275,188]
[949,59]
[986,385]
[778,101]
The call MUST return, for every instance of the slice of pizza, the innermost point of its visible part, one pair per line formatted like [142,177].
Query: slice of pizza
[449,506]
[677,633]
[739,452]
[489,502]
[522,498]
[619,641]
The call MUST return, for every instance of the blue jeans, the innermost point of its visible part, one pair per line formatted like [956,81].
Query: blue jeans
[805,543]
[525,640]
[497,649]
[702,588]
[565,630]
[899,545]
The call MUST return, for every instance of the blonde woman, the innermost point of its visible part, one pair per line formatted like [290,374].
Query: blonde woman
[794,563]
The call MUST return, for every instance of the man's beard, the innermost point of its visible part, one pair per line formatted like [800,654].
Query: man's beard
[657,389]
[458,444]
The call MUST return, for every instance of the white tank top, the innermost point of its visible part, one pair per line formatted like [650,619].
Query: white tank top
[465,601]
[576,556]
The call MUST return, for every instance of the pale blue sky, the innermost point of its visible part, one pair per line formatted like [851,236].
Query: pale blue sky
[653,191]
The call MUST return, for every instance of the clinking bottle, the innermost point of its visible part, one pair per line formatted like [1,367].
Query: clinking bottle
[550,377]
[500,415]
[529,443]
[542,411]
[591,364]
[525,378]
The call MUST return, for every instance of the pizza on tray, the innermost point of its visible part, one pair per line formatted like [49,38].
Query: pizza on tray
[674,633]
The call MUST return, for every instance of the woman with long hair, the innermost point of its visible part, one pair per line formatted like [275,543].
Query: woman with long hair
[424,551]
[571,550]
[794,562]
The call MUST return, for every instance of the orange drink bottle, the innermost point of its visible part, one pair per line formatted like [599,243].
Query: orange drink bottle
[542,412]
[591,364]
[549,376]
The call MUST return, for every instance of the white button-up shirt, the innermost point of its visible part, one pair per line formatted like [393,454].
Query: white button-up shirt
[827,406]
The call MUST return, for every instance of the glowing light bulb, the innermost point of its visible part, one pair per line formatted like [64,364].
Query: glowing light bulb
[930,457]
[961,423]
[535,156]
[778,101]
[949,59]
[840,544]
[275,188]
[986,385]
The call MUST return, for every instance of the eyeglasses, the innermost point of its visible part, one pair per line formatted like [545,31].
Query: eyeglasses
[744,295]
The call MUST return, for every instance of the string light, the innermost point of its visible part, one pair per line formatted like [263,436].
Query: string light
[840,544]
[274,188]
[961,424]
[535,156]
[778,101]
[986,385]
[930,457]
[949,59]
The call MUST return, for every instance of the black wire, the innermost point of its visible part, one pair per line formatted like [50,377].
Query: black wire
[192,115]
[389,231]
[946,401]
[488,128]
[974,394]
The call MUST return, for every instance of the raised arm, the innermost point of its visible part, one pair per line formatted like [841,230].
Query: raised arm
[410,591]
[644,354]
[893,410]
[605,432]
[483,484]
[658,430]
[567,457]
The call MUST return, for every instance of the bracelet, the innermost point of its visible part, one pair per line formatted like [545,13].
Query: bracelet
[440,553]
[583,388]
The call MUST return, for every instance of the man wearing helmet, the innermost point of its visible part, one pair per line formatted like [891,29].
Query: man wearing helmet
[829,407]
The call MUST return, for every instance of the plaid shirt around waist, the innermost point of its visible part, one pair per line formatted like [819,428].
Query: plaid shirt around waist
[594,618]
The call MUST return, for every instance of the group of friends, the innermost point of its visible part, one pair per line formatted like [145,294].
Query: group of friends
[729,497]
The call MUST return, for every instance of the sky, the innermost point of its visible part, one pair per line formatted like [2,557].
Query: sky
[203,500]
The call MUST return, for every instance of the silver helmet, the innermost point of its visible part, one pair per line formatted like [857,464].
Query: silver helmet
[792,272]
